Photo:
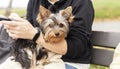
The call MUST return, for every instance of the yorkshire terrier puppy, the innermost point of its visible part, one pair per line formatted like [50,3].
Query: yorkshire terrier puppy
[55,27]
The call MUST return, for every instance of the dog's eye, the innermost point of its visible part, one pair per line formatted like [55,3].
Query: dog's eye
[61,25]
[51,25]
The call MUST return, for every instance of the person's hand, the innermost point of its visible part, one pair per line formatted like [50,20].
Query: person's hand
[19,28]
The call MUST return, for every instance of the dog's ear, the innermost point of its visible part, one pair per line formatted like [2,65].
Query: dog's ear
[43,14]
[67,13]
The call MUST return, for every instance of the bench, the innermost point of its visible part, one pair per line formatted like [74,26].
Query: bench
[105,38]
[104,45]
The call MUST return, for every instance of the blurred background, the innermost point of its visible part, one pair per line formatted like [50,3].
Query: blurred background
[105,11]
[13,6]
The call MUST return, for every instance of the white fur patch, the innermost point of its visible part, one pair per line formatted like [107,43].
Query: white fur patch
[10,64]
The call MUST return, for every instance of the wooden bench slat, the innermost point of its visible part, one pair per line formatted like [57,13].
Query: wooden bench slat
[107,39]
[102,56]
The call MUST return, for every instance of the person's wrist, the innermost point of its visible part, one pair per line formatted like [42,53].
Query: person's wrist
[36,35]
[32,33]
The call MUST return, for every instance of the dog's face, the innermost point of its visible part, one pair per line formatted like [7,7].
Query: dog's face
[55,26]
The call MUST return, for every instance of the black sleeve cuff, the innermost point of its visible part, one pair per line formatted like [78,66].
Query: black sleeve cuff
[36,36]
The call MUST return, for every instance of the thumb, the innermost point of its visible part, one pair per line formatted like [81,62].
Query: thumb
[15,17]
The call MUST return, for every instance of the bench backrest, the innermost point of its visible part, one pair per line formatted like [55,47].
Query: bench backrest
[104,44]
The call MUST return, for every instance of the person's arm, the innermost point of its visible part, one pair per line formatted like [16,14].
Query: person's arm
[29,14]
[60,47]
[32,12]
[78,40]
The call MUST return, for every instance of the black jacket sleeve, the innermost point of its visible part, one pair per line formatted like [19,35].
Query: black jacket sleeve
[6,44]
[30,7]
[78,40]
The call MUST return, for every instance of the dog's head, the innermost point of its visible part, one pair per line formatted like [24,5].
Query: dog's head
[55,26]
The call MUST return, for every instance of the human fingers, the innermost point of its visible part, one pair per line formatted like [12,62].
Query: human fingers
[9,27]
[17,18]
[9,23]
[14,36]
[13,33]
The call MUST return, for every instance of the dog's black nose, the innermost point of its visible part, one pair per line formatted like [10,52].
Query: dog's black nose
[57,33]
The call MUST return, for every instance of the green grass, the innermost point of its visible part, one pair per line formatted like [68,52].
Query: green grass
[19,11]
[98,67]
[106,8]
